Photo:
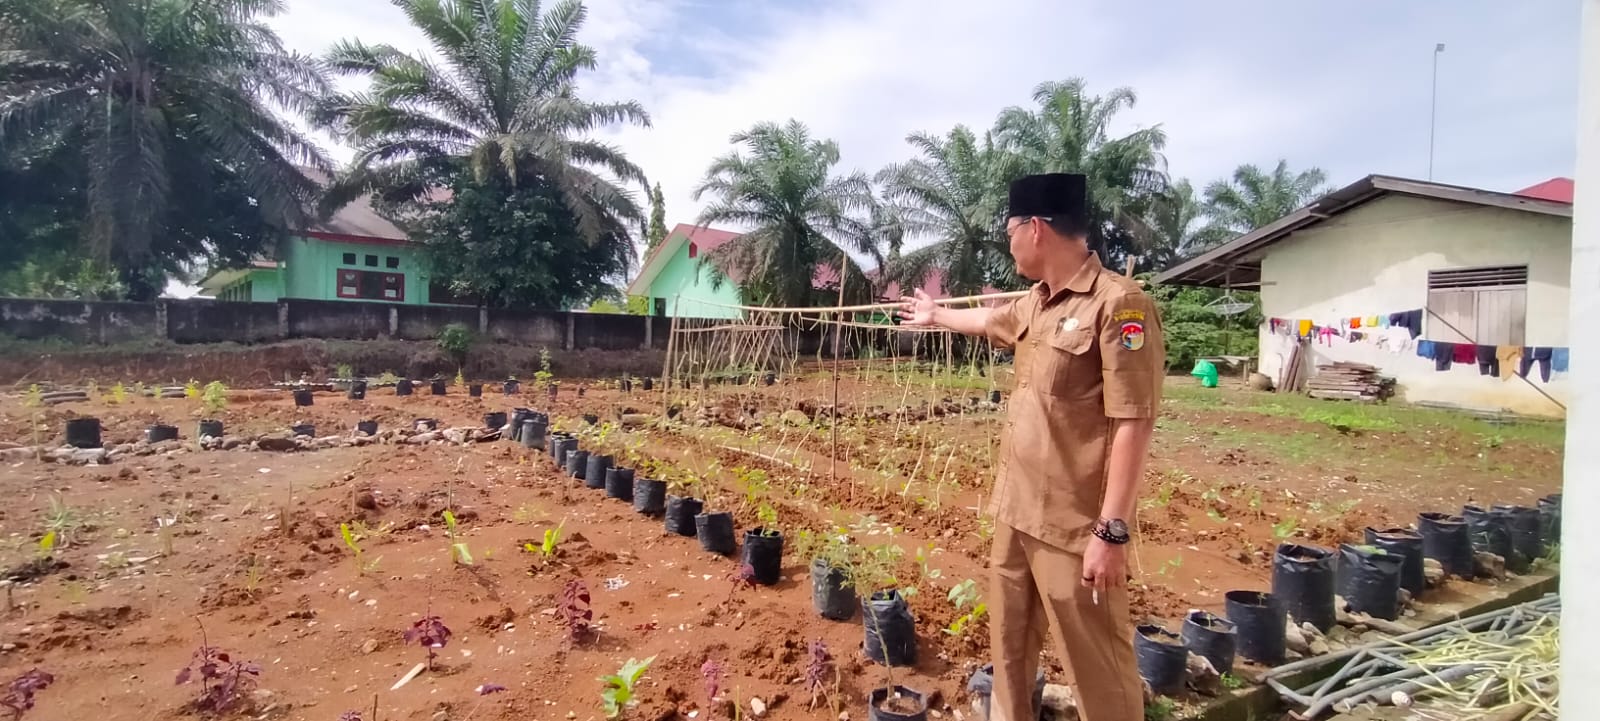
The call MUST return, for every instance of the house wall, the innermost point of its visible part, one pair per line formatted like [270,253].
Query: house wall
[262,285]
[686,284]
[1375,259]
[311,266]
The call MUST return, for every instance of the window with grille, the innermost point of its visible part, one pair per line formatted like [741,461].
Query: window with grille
[371,285]
[1483,306]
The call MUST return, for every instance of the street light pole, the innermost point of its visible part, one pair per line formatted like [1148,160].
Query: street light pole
[1433,106]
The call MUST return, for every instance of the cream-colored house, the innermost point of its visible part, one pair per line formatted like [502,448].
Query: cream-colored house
[1484,268]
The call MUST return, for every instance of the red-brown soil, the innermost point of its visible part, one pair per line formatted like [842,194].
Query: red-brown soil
[289,596]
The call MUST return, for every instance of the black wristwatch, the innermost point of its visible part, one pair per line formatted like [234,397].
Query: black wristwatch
[1113,531]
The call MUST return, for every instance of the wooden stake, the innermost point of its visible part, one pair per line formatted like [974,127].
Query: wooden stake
[833,421]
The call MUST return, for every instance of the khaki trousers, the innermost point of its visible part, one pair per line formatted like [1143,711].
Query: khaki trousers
[1037,586]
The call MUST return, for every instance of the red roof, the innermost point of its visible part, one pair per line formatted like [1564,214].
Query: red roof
[1556,189]
[933,285]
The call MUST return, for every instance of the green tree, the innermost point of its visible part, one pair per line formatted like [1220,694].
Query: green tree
[1070,132]
[954,193]
[1253,198]
[1179,226]
[657,231]
[515,246]
[799,214]
[156,98]
[1193,328]
[505,101]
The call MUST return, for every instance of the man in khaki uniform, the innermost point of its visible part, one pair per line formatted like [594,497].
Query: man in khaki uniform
[1089,365]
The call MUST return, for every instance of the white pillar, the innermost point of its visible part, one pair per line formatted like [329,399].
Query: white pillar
[1580,531]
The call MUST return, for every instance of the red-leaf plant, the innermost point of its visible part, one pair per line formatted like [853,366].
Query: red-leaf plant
[575,610]
[19,693]
[223,681]
[713,672]
[819,667]
[431,633]
[743,577]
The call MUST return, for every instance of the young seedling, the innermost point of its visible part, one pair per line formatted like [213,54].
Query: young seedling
[618,692]
[542,377]
[712,672]
[214,397]
[119,394]
[965,594]
[164,531]
[819,670]
[353,534]
[458,548]
[552,541]
[575,611]
[768,516]
[191,390]
[63,520]
[429,632]
[20,692]
[223,681]
[47,545]
[1285,528]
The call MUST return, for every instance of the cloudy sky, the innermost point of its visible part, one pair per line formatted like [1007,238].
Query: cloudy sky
[1341,86]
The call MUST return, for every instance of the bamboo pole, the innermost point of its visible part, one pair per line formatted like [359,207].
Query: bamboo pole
[833,420]
[841,308]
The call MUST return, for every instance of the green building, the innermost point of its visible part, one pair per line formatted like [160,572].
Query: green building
[680,282]
[353,255]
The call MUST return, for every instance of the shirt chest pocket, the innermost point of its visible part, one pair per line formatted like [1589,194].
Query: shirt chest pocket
[1069,365]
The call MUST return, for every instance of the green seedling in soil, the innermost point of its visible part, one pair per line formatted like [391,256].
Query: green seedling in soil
[191,390]
[754,483]
[458,549]
[116,560]
[1232,682]
[343,371]
[552,541]
[47,544]
[253,573]
[353,534]
[64,521]
[1255,502]
[1160,708]
[1216,515]
[139,389]
[965,594]
[461,379]
[1171,566]
[618,690]
[1212,494]
[1163,497]
[1285,528]
[119,394]
[388,379]
[768,517]
[214,397]
[542,377]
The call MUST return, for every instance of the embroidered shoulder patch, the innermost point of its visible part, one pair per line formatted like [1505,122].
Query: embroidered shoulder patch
[1127,315]
[1133,335]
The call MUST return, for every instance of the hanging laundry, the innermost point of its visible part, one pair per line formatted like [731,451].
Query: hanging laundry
[1508,356]
[1384,321]
[1488,363]
[1412,319]
[1371,321]
[1325,335]
[1465,353]
[1443,354]
[1390,339]
[1542,357]
[1305,329]
[1558,359]
[1424,348]
[1355,323]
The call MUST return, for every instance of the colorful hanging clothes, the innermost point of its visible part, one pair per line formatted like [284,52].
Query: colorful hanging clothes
[1443,354]
[1488,362]
[1535,355]
[1424,348]
[1465,353]
[1371,321]
[1508,357]
[1558,359]
[1305,328]
[1355,323]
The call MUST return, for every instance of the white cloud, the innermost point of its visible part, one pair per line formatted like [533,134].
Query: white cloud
[1341,87]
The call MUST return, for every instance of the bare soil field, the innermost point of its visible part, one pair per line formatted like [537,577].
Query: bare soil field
[154,556]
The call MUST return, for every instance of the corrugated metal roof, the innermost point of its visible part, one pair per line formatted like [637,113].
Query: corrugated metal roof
[1237,263]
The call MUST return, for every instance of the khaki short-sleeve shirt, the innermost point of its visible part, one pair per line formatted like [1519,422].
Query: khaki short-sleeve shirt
[1086,355]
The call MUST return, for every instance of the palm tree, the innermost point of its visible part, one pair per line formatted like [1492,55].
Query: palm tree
[956,194]
[158,97]
[1180,227]
[798,214]
[1253,198]
[504,102]
[1069,133]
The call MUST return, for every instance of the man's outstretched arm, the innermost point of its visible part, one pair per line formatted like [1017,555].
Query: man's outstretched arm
[921,311]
